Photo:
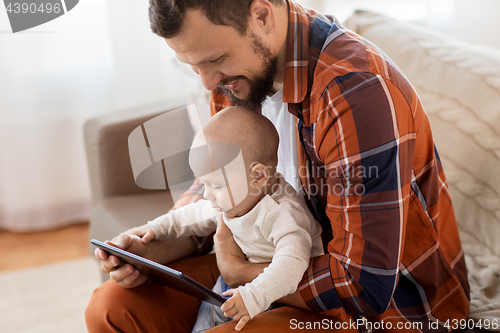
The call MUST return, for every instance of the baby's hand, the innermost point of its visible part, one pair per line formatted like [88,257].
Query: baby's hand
[145,232]
[234,307]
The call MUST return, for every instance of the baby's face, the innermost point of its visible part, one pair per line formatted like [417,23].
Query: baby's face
[233,196]
[228,188]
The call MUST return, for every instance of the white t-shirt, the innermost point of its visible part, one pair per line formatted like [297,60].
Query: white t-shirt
[275,110]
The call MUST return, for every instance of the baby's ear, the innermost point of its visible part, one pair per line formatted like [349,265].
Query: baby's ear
[260,174]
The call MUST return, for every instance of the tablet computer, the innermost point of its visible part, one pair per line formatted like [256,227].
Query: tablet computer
[163,275]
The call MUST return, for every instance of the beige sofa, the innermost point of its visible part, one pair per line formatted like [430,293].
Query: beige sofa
[118,203]
[459,85]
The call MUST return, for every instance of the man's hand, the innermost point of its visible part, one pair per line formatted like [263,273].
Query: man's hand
[232,263]
[160,251]
[145,232]
[234,307]
[126,275]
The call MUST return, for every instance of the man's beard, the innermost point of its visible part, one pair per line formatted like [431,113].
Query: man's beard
[261,85]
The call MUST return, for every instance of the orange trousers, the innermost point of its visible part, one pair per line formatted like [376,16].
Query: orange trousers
[151,308]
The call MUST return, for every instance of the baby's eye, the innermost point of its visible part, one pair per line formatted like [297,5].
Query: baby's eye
[216,186]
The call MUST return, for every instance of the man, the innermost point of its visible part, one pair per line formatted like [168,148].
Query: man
[359,141]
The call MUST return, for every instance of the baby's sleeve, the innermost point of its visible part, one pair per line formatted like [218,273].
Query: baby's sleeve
[287,227]
[196,219]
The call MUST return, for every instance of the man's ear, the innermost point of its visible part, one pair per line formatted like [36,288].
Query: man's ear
[260,175]
[263,16]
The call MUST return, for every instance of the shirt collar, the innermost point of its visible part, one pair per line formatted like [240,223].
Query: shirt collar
[295,85]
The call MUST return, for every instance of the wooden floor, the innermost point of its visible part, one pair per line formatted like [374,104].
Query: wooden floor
[22,250]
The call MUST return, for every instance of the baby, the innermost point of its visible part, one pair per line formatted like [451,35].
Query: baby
[269,221]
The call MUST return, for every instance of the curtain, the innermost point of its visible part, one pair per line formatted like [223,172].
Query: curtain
[99,57]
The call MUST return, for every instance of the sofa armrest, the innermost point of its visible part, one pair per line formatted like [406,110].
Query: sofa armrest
[106,145]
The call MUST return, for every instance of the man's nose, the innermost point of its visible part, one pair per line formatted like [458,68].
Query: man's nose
[210,77]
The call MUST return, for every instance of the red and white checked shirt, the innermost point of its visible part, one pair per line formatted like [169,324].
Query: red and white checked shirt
[374,181]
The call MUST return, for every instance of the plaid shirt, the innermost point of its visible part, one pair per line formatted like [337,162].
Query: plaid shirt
[373,178]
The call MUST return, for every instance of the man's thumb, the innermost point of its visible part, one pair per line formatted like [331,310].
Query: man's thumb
[123,241]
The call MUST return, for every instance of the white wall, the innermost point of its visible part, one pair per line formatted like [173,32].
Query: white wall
[474,21]
[477,21]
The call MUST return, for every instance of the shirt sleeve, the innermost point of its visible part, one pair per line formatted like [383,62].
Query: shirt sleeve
[193,194]
[365,140]
[288,229]
[196,219]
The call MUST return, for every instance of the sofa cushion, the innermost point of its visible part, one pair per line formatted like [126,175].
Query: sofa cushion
[116,214]
[459,86]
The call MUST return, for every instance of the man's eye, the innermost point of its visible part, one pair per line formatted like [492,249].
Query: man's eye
[218,60]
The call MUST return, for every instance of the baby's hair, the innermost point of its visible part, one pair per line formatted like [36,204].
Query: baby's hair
[252,132]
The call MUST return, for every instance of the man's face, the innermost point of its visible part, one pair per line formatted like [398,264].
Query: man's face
[261,84]
[243,66]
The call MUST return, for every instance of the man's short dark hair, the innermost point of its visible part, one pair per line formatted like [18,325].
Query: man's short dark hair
[166,16]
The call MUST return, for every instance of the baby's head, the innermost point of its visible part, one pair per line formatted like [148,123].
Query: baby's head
[235,183]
